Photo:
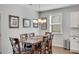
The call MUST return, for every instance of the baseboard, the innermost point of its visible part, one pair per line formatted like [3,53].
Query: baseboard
[74,51]
[57,45]
[0,52]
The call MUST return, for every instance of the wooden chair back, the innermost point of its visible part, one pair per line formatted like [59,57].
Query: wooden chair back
[49,41]
[31,34]
[47,33]
[15,45]
[50,35]
[23,36]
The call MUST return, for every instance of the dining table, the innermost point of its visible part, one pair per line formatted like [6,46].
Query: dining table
[34,41]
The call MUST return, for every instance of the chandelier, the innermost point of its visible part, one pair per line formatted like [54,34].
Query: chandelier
[40,20]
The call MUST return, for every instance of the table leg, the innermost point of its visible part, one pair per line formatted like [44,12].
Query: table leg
[33,49]
[50,46]
[43,48]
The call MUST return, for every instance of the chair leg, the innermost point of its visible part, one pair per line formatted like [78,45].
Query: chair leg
[33,49]
[13,52]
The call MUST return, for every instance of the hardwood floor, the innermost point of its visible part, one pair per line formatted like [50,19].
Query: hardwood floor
[60,50]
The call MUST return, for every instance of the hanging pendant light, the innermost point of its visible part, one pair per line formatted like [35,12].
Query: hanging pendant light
[35,21]
[40,20]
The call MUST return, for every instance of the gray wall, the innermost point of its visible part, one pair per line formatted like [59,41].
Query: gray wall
[0,33]
[17,10]
[58,39]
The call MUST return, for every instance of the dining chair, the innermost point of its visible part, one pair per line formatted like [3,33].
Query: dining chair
[45,44]
[50,38]
[38,48]
[15,45]
[46,33]
[27,47]
[48,42]
[31,35]
[23,36]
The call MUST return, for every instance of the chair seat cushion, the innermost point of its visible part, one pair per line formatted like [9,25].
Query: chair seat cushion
[28,49]
[29,46]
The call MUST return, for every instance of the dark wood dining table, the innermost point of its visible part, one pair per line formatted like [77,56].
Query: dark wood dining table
[34,41]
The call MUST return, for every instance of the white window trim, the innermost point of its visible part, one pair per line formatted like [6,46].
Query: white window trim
[61,32]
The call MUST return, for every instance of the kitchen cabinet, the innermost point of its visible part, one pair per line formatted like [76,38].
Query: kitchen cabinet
[74,19]
[74,44]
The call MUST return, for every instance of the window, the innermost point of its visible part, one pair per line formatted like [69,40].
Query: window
[56,23]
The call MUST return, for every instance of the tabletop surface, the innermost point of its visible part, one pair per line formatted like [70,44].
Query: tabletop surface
[33,40]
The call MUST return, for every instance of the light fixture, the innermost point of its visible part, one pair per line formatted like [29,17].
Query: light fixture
[40,20]
[35,21]
[44,20]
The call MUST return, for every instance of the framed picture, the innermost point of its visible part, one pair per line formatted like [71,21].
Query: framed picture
[13,21]
[35,23]
[44,24]
[26,23]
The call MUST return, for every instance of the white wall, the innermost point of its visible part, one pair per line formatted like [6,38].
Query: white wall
[58,39]
[7,32]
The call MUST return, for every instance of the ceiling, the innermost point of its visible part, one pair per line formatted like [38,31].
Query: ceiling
[44,7]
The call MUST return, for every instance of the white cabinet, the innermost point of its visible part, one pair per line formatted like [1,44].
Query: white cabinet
[74,44]
[74,19]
